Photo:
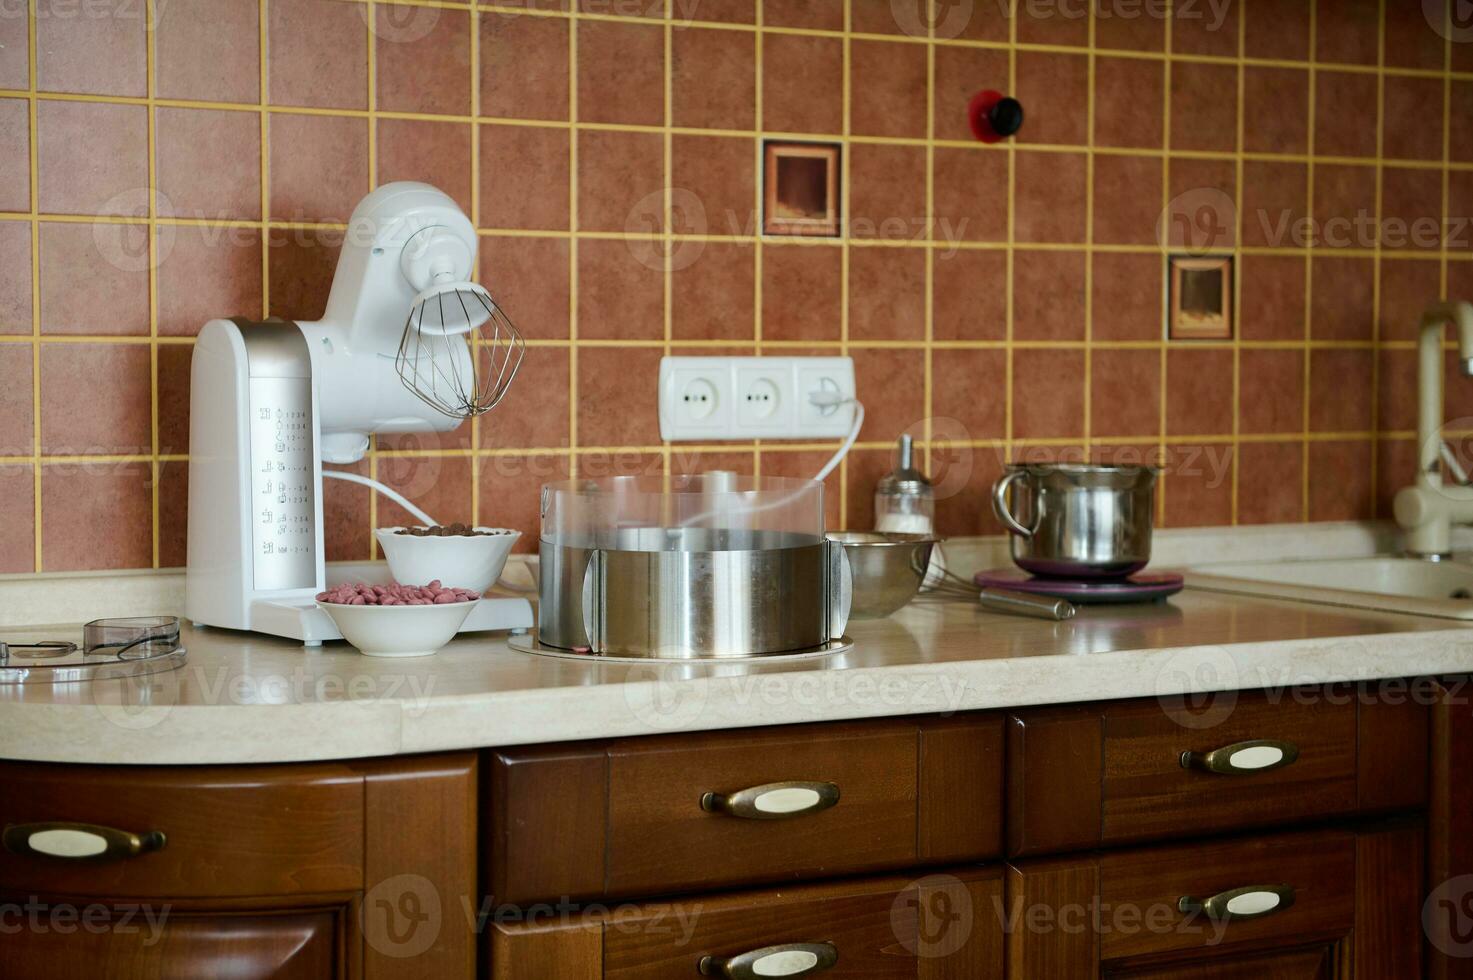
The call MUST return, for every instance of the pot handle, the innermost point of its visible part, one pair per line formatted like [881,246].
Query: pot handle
[1000,506]
[593,600]
[839,578]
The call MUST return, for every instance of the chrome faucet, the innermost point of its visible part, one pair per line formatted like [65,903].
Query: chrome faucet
[1428,508]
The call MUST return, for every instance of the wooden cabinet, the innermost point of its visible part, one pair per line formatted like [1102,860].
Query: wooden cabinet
[938,927]
[657,815]
[1295,835]
[1084,776]
[1449,908]
[320,870]
[1338,903]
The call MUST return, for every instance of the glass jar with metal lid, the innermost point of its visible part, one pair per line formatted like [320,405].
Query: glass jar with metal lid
[905,502]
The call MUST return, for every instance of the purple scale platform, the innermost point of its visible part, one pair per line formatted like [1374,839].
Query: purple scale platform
[1140,587]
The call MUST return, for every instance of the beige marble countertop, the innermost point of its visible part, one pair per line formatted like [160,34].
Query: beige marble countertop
[247,698]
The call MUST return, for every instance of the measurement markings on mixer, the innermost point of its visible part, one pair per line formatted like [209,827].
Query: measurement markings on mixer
[282,532]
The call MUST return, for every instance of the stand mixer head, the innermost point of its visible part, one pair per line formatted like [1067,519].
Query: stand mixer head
[405,330]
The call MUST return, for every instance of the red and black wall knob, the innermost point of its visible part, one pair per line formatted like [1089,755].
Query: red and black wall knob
[994,116]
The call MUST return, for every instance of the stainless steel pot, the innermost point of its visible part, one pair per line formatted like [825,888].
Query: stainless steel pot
[1072,520]
[691,593]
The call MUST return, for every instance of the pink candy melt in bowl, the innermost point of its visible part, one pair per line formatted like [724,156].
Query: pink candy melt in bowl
[398,620]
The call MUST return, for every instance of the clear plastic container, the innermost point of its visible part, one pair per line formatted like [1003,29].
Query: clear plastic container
[717,511]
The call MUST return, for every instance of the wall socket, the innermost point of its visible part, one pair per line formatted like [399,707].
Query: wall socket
[715,398]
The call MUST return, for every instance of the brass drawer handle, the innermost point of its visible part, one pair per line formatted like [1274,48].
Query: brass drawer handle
[787,960]
[78,841]
[1243,758]
[1241,904]
[773,801]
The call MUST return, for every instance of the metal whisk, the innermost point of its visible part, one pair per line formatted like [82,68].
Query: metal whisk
[953,586]
[459,351]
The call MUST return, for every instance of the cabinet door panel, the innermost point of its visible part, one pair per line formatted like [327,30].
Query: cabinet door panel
[665,815]
[1318,870]
[1085,776]
[296,945]
[656,796]
[938,927]
[1148,792]
[227,830]
[1289,906]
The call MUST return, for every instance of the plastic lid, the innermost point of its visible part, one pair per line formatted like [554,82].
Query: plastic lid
[589,513]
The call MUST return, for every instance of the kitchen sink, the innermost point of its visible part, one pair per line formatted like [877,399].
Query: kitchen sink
[1404,585]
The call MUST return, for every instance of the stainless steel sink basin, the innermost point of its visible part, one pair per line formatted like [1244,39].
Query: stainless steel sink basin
[1404,585]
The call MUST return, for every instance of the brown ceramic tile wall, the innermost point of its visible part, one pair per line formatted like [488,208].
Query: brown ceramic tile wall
[164,163]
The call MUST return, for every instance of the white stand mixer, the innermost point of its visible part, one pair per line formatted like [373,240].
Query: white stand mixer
[407,344]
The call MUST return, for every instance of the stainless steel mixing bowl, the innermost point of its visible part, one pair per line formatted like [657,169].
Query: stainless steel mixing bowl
[887,569]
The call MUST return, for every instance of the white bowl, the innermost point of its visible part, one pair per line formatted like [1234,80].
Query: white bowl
[459,561]
[398,631]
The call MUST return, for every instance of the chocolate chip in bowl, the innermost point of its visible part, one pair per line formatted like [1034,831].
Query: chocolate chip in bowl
[456,530]
[459,555]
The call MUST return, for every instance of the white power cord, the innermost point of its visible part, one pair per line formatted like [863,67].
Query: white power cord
[826,399]
[392,494]
[822,399]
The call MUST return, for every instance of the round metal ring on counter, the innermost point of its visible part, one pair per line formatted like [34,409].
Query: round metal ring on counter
[528,642]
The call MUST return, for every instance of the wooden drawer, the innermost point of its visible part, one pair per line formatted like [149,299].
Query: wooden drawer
[941,927]
[1339,897]
[1082,776]
[227,830]
[626,817]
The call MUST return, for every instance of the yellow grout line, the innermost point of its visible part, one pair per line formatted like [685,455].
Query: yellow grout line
[1089,237]
[1376,258]
[474,21]
[185,341]
[846,179]
[1307,368]
[153,274]
[774,241]
[1150,441]
[35,189]
[667,209]
[371,26]
[1168,32]
[1376,268]
[759,170]
[262,53]
[1010,446]
[928,380]
[572,245]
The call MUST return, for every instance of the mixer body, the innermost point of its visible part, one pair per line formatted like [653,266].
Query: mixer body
[271,401]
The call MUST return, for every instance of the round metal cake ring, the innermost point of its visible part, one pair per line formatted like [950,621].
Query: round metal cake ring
[97,670]
[527,642]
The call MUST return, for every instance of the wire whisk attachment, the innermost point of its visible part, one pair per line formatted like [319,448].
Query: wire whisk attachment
[459,351]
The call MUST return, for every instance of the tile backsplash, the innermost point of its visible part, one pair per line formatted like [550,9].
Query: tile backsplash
[169,161]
